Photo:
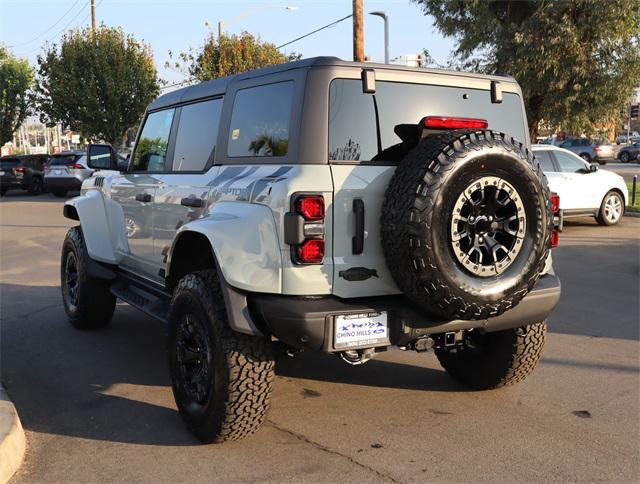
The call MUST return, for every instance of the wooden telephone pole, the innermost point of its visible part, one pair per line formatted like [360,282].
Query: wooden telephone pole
[93,15]
[358,31]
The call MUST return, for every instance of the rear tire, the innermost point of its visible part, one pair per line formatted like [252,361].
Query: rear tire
[3,192]
[611,209]
[87,300]
[585,157]
[59,192]
[498,359]
[221,379]
[36,186]
[624,157]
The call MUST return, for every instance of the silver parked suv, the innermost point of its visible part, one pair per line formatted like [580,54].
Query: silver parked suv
[66,171]
[320,205]
[592,151]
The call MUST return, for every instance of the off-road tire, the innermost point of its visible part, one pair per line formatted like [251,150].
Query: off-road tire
[36,186]
[58,192]
[241,367]
[418,208]
[601,218]
[504,358]
[94,303]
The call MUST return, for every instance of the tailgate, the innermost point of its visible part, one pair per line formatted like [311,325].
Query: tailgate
[358,273]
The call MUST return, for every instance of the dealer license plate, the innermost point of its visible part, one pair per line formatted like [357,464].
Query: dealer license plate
[360,330]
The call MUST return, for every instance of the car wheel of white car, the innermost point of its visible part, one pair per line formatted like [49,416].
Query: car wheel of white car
[611,209]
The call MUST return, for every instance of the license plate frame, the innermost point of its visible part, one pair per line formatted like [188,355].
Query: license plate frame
[362,330]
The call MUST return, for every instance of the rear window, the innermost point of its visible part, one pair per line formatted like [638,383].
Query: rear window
[60,160]
[352,114]
[9,162]
[260,121]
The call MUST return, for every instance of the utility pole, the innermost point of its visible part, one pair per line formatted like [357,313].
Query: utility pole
[93,15]
[220,29]
[358,31]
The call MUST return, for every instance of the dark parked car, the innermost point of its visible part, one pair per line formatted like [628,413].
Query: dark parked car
[25,172]
[629,153]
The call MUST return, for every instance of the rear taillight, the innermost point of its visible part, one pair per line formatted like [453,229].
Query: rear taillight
[311,207]
[311,251]
[77,167]
[304,229]
[555,210]
[19,170]
[446,122]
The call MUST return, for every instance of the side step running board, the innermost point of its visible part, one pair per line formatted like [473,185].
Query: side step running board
[154,303]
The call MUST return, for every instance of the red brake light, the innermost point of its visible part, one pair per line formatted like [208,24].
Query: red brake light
[311,251]
[311,208]
[555,203]
[555,238]
[19,169]
[446,122]
[77,167]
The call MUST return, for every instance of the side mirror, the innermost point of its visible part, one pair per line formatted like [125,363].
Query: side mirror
[102,157]
[593,168]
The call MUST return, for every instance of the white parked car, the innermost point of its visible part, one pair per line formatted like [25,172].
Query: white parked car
[584,189]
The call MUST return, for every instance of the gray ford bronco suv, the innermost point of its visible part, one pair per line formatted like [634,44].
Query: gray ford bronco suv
[320,205]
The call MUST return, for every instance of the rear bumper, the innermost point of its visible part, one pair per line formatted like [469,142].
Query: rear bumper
[67,183]
[307,323]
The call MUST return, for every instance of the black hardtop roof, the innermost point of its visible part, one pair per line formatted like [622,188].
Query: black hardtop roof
[219,86]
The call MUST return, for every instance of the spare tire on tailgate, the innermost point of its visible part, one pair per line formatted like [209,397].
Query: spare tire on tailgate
[466,224]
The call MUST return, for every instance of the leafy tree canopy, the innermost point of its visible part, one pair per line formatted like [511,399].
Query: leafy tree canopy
[16,77]
[98,83]
[577,61]
[228,55]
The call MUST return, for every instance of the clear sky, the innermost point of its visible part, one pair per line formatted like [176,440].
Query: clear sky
[179,24]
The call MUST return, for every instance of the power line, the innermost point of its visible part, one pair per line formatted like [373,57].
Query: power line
[50,27]
[332,24]
[66,27]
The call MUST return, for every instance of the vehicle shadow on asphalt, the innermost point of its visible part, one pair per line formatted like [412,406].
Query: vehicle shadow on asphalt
[24,196]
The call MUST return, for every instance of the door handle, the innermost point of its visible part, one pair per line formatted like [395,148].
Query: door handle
[191,202]
[357,242]
[143,197]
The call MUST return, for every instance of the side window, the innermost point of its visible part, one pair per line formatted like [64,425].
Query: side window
[352,122]
[151,149]
[569,163]
[197,135]
[544,158]
[260,121]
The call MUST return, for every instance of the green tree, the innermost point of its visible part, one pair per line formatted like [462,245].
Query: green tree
[98,83]
[228,55]
[578,61]
[16,77]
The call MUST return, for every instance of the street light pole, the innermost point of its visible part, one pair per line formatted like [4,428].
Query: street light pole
[384,17]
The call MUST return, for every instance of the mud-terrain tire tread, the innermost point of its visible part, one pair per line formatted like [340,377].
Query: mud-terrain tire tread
[430,162]
[246,374]
[96,304]
[510,362]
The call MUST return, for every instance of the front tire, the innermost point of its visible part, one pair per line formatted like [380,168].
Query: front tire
[87,300]
[36,186]
[495,360]
[585,157]
[624,157]
[611,209]
[221,379]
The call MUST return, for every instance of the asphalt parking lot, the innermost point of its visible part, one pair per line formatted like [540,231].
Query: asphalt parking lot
[97,406]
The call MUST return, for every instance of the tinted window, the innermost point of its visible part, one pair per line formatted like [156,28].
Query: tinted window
[569,163]
[9,162]
[151,149]
[544,158]
[197,135]
[260,121]
[58,160]
[352,127]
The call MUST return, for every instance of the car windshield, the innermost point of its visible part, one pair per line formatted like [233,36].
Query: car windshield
[60,160]
[9,162]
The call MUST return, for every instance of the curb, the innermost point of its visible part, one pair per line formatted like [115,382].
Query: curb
[631,214]
[12,440]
